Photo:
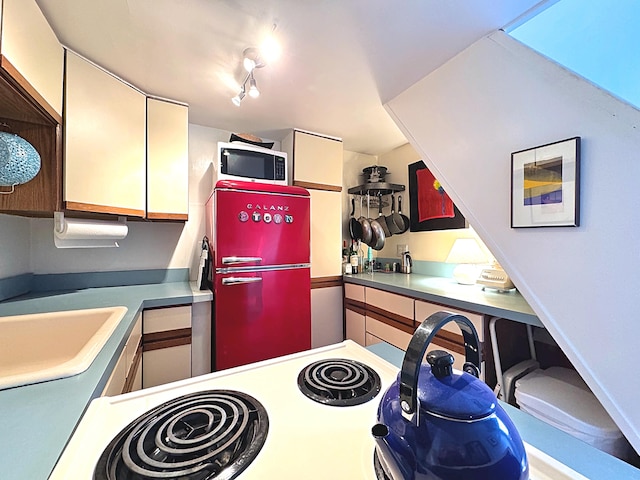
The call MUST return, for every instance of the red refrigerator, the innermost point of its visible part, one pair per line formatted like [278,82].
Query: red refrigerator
[259,239]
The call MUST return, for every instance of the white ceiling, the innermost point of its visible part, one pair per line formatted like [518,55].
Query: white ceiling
[341,59]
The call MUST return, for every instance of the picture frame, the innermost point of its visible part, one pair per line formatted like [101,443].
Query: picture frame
[545,185]
[450,219]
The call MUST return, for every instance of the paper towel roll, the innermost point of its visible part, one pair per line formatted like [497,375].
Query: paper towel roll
[81,229]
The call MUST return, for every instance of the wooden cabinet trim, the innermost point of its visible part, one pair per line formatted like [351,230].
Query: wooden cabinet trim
[326,282]
[379,312]
[168,216]
[317,186]
[88,207]
[355,306]
[401,324]
[23,84]
[166,339]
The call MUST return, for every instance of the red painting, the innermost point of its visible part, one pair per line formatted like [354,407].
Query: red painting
[433,201]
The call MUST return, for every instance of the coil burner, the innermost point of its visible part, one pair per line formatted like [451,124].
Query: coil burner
[339,382]
[213,434]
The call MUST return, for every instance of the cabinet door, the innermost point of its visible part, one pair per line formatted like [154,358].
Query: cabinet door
[115,384]
[317,159]
[355,327]
[104,140]
[33,50]
[166,345]
[167,160]
[386,332]
[326,233]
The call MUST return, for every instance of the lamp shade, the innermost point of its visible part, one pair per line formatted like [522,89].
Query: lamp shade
[467,254]
[19,160]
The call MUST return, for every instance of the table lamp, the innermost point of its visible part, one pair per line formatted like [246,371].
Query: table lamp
[468,255]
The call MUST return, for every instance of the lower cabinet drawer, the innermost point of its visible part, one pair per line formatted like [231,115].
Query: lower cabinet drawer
[389,334]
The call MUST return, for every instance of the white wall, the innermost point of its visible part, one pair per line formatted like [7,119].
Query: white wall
[499,97]
[14,246]
[430,246]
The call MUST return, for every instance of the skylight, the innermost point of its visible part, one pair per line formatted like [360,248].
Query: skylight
[597,39]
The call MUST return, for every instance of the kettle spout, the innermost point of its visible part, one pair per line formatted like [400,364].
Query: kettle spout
[385,455]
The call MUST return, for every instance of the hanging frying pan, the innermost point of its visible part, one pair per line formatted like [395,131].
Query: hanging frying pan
[367,233]
[378,236]
[355,228]
[382,220]
[394,220]
[405,219]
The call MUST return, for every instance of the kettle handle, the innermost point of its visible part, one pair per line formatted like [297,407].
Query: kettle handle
[417,348]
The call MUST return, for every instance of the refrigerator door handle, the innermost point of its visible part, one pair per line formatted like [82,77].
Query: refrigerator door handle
[240,280]
[235,260]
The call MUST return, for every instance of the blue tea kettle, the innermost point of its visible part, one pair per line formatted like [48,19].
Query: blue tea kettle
[435,423]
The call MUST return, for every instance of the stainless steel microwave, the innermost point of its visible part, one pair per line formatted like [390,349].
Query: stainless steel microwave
[238,161]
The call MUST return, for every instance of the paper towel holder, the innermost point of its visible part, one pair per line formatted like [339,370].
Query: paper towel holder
[109,239]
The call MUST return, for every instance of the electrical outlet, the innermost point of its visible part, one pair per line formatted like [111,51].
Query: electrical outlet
[401,248]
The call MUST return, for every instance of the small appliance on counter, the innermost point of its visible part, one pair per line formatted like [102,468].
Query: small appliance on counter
[406,264]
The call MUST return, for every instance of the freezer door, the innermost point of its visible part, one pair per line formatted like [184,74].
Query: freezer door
[260,228]
[261,315]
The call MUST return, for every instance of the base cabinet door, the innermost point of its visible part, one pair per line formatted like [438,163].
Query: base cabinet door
[127,374]
[166,345]
[355,327]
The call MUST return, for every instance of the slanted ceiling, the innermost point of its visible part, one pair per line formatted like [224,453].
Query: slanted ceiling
[498,97]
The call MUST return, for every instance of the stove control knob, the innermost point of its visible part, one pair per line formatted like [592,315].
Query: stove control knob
[277,218]
[243,216]
[256,216]
[288,219]
[267,218]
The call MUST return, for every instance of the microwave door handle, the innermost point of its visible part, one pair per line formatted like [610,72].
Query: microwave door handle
[236,260]
[240,280]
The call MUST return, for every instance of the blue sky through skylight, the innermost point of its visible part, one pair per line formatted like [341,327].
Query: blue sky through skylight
[598,39]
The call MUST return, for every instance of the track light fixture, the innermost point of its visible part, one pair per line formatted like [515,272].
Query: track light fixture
[251,60]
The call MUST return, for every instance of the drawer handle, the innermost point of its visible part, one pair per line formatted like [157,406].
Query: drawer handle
[240,280]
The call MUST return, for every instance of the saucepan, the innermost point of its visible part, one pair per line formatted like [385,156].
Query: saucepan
[355,228]
[405,219]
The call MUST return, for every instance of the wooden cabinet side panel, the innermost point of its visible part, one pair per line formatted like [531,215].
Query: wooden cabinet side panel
[104,138]
[167,158]
[33,49]
[326,233]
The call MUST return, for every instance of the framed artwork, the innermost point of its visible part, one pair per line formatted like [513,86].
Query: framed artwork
[429,205]
[545,185]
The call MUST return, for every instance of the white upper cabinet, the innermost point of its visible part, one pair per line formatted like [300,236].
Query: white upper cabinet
[317,160]
[105,141]
[33,52]
[167,160]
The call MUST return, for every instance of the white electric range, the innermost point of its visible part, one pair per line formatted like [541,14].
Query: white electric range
[269,420]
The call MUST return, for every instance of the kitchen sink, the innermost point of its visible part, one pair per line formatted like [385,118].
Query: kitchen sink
[47,346]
